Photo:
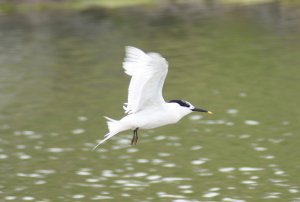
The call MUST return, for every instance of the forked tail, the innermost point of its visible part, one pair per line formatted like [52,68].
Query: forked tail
[107,136]
[114,128]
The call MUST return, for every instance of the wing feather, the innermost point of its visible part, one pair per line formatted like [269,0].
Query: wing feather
[148,72]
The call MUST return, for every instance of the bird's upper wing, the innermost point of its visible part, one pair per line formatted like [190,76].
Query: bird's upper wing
[148,72]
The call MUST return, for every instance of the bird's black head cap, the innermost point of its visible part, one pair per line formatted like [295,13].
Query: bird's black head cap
[186,104]
[181,103]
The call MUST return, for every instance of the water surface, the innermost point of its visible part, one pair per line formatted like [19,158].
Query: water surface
[60,73]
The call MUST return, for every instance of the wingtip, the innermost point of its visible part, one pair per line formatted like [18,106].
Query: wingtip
[127,48]
[132,48]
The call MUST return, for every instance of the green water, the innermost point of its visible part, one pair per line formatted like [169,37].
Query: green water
[60,73]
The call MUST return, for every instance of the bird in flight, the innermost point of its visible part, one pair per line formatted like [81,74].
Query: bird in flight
[146,107]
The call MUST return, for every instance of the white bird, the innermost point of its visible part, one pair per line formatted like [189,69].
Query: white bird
[146,107]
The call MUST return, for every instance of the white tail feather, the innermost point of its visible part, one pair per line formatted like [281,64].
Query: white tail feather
[107,136]
[114,127]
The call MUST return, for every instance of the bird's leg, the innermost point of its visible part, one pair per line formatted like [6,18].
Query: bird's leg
[135,137]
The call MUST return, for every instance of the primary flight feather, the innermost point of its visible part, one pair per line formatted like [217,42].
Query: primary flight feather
[146,107]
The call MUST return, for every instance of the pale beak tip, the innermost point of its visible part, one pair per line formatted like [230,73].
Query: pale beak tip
[209,112]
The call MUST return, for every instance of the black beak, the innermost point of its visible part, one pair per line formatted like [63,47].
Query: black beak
[201,110]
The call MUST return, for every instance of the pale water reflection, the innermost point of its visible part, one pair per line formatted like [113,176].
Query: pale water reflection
[62,73]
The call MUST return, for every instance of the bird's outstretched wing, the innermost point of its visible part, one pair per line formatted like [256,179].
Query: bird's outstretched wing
[148,72]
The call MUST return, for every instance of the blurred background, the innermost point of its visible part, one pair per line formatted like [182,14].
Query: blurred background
[60,73]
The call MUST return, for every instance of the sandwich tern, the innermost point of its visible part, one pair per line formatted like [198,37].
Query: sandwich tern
[146,107]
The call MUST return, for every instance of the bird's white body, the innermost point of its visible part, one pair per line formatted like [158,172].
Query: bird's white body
[146,108]
[155,116]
